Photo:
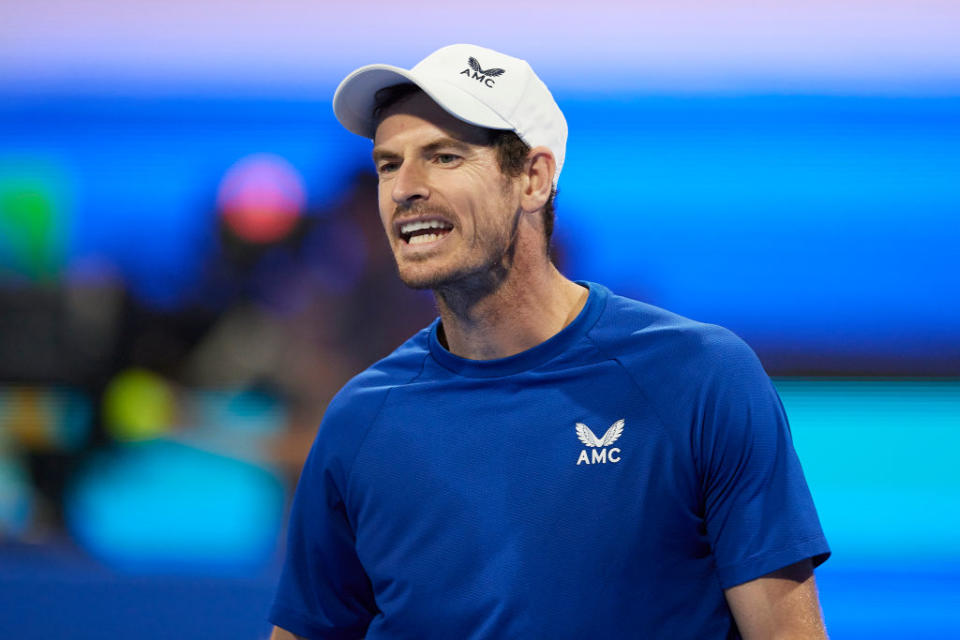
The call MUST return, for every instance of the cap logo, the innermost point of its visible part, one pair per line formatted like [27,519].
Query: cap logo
[480,75]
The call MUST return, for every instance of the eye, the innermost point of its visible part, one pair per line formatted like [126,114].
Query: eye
[446,158]
[387,167]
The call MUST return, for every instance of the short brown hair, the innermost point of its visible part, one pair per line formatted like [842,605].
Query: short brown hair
[511,150]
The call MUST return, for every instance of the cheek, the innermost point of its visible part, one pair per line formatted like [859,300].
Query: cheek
[385,209]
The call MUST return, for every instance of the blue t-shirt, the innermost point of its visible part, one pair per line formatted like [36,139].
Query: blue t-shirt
[610,482]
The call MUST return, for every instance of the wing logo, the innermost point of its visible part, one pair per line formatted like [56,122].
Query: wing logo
[481,75]
[600,451]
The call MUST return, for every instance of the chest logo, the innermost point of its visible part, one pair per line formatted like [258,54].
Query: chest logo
[600,449]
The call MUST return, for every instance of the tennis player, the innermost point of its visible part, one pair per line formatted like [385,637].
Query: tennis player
[547,459]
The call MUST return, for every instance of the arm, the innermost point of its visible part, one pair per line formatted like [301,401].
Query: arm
[780,605]
[283,634]
[324,591]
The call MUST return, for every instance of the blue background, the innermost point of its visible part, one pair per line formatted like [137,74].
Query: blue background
[822,229]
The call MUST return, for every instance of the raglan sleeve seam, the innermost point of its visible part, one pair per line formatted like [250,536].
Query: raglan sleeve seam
[633,380]
[373,420]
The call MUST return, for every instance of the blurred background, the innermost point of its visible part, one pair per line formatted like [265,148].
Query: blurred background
[191,265]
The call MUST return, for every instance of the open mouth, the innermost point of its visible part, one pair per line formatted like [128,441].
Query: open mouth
[424,231]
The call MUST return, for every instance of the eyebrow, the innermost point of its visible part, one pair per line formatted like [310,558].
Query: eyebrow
[440,143]
[445,142]
[380,154]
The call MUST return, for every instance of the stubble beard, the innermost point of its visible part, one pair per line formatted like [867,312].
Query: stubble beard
[468,280]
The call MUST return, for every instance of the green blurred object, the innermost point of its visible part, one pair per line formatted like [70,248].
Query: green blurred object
[138,405]
[33,219]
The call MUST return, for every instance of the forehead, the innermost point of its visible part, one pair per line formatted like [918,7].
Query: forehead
[419,116]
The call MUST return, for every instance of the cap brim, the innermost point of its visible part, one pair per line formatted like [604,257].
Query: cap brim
[355,99]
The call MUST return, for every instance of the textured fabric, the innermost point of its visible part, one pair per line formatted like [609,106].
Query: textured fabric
[608,483]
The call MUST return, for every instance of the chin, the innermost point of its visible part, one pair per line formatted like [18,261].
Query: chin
[420,276]
[416,279]
[486,277]
[433,273]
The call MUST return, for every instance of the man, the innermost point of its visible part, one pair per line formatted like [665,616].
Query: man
[547,459]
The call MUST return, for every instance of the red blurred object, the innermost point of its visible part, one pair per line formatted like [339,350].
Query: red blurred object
[261,197]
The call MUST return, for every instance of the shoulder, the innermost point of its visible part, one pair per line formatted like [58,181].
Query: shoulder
[701,379]
[359,399]
[354,409]
[649,340]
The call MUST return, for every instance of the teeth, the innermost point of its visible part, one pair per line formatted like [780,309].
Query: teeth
[426,237]
[410,227]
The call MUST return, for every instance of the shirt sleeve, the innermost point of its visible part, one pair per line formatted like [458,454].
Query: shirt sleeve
[323,592]
[759,513]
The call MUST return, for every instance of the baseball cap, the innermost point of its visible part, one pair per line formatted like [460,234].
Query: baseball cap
[480,86]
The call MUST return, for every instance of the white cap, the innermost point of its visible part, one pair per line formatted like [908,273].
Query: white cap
[479,86]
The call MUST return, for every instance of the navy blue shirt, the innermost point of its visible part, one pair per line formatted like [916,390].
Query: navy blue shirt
[610,482]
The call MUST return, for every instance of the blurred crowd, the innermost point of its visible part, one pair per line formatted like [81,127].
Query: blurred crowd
[241,368]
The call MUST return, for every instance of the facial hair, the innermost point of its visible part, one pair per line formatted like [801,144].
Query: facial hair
[466,280]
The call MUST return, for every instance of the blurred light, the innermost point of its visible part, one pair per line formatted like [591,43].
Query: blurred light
[16,496]
[45,419]
[138,405]
[33,218]
[238,423]
[261,197]
[880,459]
[164,507]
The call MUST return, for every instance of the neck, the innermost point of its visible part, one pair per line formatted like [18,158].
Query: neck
[509,313]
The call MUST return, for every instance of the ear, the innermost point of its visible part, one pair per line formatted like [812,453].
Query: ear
[538,179]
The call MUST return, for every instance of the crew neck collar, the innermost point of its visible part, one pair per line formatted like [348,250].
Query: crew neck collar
[533,357]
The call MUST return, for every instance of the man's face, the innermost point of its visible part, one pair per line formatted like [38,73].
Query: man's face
[449,213]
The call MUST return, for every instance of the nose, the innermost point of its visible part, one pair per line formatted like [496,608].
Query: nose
[410,183]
